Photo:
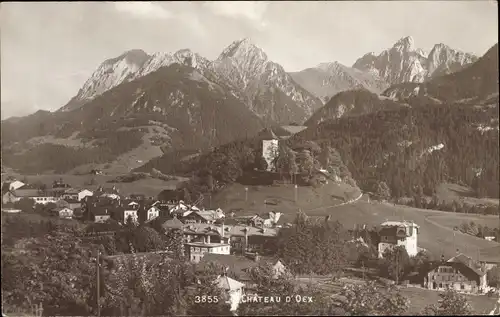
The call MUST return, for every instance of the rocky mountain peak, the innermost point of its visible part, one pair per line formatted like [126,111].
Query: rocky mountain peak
[109,74]
[406,63]
[243,49]
[330,67]
[406,43]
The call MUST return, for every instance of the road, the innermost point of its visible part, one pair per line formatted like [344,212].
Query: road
[342,204]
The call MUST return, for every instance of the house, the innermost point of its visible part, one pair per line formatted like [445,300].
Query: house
[172,224]
[268,220]
[398,233]
[101,214]
[13,185]
[151,213]
[240,266]
[202,216]
[460,273]
[37,195]
[127,209]
[171,196]
[112,193]
[69,203]
[241,238]
[77,194]
[232,288]
[195,251]
[64,212]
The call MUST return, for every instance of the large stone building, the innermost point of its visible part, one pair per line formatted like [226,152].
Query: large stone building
[398,233]
[460,273]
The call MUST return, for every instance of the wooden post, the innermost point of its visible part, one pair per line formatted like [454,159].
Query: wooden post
[98,285]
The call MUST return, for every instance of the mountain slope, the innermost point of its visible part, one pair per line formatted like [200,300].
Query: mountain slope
[328,79]
[109,74]
[478,81]
[405,63]
[263,85]
[352,103]
[186,110]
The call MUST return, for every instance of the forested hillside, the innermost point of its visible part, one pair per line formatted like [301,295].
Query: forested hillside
[414,149]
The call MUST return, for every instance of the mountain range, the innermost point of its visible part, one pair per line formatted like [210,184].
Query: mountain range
[136,106]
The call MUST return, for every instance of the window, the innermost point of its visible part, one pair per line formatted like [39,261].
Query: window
[440,285]
[462,286]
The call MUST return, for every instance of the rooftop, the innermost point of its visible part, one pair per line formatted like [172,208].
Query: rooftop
[467,261]
[399,224]
[228,283]
[209,245]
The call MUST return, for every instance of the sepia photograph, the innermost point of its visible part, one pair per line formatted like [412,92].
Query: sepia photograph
[250,158]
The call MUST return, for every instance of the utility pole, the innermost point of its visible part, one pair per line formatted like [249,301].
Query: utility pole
[363,264]
[397,267]
[98,284]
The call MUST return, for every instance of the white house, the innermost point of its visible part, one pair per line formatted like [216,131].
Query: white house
[64,212]
[197,250]
[232,288]
[152,213]
[84,193]
[15,185]
[397,233]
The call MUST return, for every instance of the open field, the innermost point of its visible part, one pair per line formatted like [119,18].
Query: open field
[148,186]
[436,238]
[233,198]
[455,220]
[453,192]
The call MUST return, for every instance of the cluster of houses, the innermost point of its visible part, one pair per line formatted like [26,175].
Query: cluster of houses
[238,244]
[67,200]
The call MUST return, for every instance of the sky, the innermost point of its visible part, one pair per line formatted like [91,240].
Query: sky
[49,49]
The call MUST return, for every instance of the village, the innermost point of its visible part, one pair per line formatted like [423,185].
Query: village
[237,243]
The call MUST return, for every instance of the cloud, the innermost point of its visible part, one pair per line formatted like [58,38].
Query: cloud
[251,10]
[143,10]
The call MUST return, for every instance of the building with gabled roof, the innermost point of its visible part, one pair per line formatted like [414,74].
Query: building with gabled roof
[232,288]
[460,273]
[38,196]
[398,233]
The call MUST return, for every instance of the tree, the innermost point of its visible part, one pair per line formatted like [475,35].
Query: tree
[206,286]
[395,263]
[493,277]
[187,195]
[268,284]
[451,303]
[54,270]
[260,163]
[306,163]
[383,191]
[25,204]
[313,247]
[146,239]
[369,299]
[137,286]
